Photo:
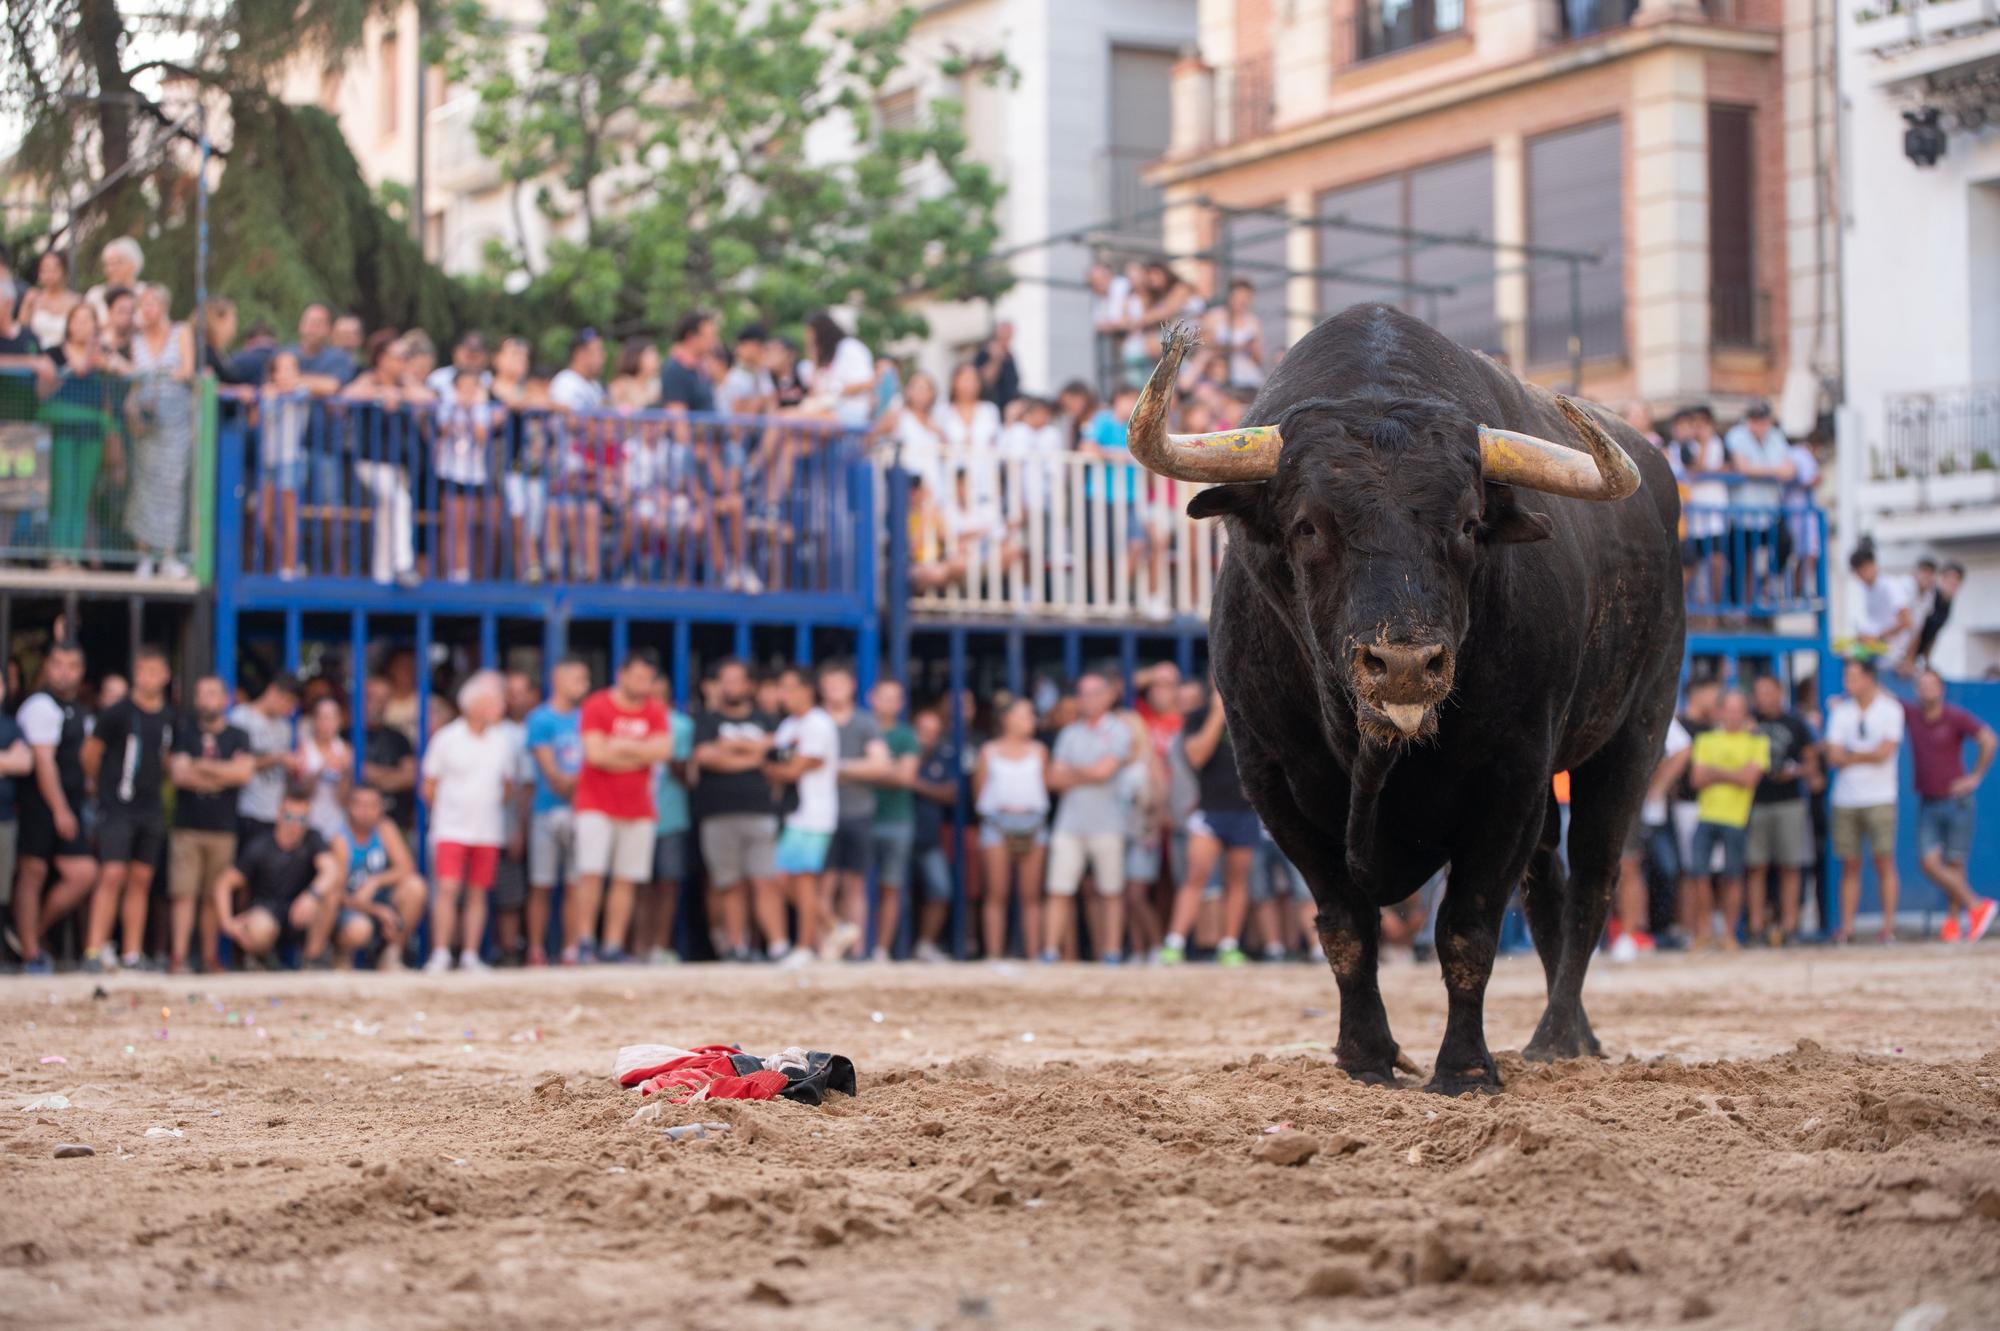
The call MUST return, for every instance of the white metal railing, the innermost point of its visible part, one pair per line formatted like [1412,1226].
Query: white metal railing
[1058,535]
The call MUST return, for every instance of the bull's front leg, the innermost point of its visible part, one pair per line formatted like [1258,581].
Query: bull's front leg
[1487,861]
[1351,937]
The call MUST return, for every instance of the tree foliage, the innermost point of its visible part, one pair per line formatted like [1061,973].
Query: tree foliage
[727,155]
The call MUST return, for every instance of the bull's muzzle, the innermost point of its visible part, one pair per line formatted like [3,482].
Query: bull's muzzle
[1403,681]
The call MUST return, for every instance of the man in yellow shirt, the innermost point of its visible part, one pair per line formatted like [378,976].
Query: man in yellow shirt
[1728,763]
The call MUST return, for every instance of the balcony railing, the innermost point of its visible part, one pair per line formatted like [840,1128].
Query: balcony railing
[1063,536]
[1124,193]
[1746,559]
[1247,96]
[1941,432]
[352,490]
[1739,317]
[104,472]
[1586,18]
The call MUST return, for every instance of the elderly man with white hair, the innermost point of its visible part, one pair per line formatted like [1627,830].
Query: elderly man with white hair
[122,261]
[468,770]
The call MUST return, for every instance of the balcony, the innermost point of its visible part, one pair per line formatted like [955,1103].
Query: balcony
[1747,562]
[1739,317]
[456,162]
[101,479]
[1246,99]
[1124,197]
[338,503]
[1587,18]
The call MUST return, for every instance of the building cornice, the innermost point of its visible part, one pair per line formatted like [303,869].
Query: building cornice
[1554,63]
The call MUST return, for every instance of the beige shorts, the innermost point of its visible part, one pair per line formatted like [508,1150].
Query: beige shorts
[1102,852]
[196,859]
[620,847]
[1876,823]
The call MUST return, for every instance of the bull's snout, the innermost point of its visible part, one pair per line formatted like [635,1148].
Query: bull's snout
[1403,681]
[1400,672]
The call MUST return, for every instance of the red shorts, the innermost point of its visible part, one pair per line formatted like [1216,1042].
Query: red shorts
[474,866]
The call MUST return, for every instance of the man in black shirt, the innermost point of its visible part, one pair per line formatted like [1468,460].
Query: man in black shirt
[1222,825]
[388,759]
[1780,824]
[16,760]
[684,380]
[293,880]
[999,377]
[51,806]
[1697,718]
[739,822]
[211,762]
[126,759]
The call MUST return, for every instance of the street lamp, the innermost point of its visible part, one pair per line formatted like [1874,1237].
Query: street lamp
[1924,140]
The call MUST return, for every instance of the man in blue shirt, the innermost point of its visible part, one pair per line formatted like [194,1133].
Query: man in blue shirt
[653,926]
[684,378]
[555,744]
[324,368]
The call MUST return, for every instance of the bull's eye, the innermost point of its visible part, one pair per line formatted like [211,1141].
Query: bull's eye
[1304,530]
[1471,527]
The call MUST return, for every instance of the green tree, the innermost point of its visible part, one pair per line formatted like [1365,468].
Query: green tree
[680,139]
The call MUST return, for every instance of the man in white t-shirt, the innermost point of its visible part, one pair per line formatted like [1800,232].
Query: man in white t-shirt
[469,773]
[805,754]
[1629,936]
[1884,611]
[577,386]
[1864,732]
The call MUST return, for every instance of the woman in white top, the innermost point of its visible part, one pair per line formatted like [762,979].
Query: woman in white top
[325,760]
[122,261]
[1011,794]
[970,427]
[842,379]
[1237,333]
[45,309]
[911,429]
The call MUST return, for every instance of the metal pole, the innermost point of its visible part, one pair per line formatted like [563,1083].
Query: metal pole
[955,691]
[201,243]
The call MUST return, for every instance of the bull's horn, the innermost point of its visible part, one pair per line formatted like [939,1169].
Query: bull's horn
[1536,464]
[1248,454]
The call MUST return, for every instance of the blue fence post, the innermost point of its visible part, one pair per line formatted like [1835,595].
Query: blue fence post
[621,641]
[680,664]
[229,449]
[357,678]
[897,592]
[292,640]
[1128,660]
[1017,662]
[956,687]
[423,811]
[489,642]
[867,583]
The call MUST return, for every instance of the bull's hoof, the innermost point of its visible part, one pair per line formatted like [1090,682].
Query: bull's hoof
[1472,1081]
[1371,1076]
[1554,1041]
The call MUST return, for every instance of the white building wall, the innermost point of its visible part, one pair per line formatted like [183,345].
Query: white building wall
[1920,287]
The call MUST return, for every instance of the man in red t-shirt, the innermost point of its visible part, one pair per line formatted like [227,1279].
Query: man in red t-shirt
[625,734]
[1938,732]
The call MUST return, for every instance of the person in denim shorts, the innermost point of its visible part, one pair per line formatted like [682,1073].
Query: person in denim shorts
[1011,787]
[1946,813]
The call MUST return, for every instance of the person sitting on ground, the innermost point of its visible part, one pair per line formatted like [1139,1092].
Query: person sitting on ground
[293,881]
[385,896]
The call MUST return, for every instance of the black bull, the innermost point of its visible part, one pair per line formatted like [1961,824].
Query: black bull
[1560,638]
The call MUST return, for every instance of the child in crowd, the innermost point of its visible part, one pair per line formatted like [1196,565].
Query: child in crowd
[462,462]
[283,411]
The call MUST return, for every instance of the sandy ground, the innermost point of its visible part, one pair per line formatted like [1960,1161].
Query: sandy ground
[1806,1140]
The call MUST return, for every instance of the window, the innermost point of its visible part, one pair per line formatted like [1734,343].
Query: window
[898,110]
[1576,202]
[1141,113]
[1448,286]
[1733,298]
[1581,18]
[392,81]
[1383,26]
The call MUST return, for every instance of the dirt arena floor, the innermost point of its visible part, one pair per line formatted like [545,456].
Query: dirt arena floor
[1804,1140]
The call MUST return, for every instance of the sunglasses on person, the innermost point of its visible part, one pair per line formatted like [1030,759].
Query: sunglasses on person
[294,819]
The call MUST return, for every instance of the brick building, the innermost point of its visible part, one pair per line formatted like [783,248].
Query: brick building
[1690,146]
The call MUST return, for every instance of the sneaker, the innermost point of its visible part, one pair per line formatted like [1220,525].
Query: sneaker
[586,952]
[290,573]
[1625,949]
[1948,931]
[39,966]
[613,956]
[1170,956]
[144,568]
[752,584]
[439,963]
[1049,956]
[1113,958]
[839,939]
[1274,952]
[797,958]
[533,577]
[469,962]
[929,951]
[1983,911]
[1232,956]
[173,568]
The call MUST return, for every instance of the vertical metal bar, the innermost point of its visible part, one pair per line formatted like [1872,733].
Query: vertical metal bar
[292,618]
[681,684]
[955,691]
[489,641]
[1072,657]
[554,643]
[802,643]
[1017,662]
[225,643]
[1184,655]
[135,625]
[357,677]
[621,642]
[1128,660]
[743,646]
[897,594]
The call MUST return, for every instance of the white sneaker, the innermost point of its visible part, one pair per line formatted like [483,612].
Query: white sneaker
[929,951]
[797,959]
[173,568]
[439,963]
[751,583]
[1624,949]
[838,940]
[469,962]
[144,568]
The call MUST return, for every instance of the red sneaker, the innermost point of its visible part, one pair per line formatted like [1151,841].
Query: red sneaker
[1983,911]
[1948,931]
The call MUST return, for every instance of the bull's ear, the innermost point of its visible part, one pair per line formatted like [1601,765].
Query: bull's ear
[1219,500]
[1515,526]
